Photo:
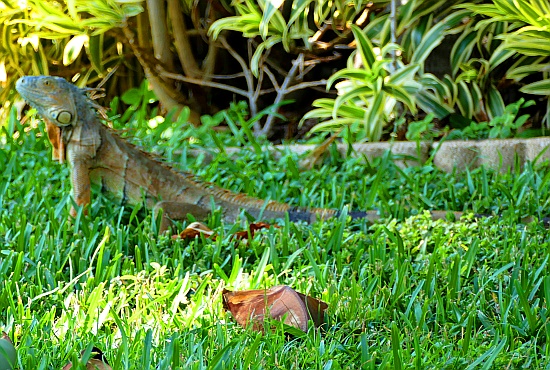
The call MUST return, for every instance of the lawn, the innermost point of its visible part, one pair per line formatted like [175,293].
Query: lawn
[403,293]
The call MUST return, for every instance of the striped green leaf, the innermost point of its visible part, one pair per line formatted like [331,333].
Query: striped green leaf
[495,104]
[462,49]
[435,35]
[537,88]
[430,103]
[364,47]
[465,101]
[73,48]
[271,16]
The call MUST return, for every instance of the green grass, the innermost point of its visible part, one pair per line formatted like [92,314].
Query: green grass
[406,293]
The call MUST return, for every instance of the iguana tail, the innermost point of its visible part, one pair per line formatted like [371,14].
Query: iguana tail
[310,215]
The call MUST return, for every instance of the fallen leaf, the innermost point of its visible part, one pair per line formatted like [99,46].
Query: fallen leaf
[193,230]
[96,362]
[252,228]
[250,307]
[196,228]
[316,308]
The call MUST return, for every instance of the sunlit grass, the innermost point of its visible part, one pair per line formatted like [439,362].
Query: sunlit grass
[405,293]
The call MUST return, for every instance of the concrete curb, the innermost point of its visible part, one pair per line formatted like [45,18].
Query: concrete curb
[498,154]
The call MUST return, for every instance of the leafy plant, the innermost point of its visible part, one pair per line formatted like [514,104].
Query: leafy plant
[507,125]
[472,89]
[481,62]
[528,36]
[288,24]
[500,127]
[38,33]
[421,130]
[473,131]
[370,93]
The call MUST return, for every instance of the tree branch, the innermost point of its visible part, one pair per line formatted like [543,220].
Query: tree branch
[271,76]
[167,96]
[281,92]
[209,63]
[198,81]
[161,41]
[305,85]
[181,40]
[249,77]
[215,85]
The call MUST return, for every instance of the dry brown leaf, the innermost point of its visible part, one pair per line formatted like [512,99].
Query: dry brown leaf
[249,307]
[96,362]
[196,228]
[252,228]
[193,230]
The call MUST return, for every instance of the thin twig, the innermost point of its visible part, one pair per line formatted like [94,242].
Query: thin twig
[393,31]
[199,81]
[226,77]
[162,72]
[247,75]
[323,90]
[277,68]
[320,32]
[281,92]
[271,76]
[267,91]
[305,71]
[305,85]
[258,90]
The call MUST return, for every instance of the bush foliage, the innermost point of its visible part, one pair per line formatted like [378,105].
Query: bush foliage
[202,54]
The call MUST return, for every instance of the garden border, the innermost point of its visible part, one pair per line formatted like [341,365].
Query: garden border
[498,154]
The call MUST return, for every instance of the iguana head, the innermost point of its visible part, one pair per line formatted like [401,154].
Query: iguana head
[53,97]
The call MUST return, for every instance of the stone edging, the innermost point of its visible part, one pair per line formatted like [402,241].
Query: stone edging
[460,154]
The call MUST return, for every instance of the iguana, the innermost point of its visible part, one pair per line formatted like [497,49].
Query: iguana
[97,155]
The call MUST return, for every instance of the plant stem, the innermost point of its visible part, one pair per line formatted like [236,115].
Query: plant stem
[181,39]
[281,92]
[393,32]
[161,40]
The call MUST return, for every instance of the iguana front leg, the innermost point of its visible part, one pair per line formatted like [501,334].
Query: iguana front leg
[80,179]
[170,211]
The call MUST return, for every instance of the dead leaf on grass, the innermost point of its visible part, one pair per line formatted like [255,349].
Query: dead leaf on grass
[96,362]
[250,307]
[252,228]
[194,230]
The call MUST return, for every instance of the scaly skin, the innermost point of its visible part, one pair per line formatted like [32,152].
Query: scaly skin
[96,155]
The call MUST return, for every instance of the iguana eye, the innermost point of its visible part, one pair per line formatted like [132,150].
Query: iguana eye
[64,117]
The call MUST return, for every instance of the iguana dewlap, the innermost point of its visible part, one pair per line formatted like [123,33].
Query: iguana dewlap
[97,155]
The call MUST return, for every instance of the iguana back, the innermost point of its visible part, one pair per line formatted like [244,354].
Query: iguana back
[97,155]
